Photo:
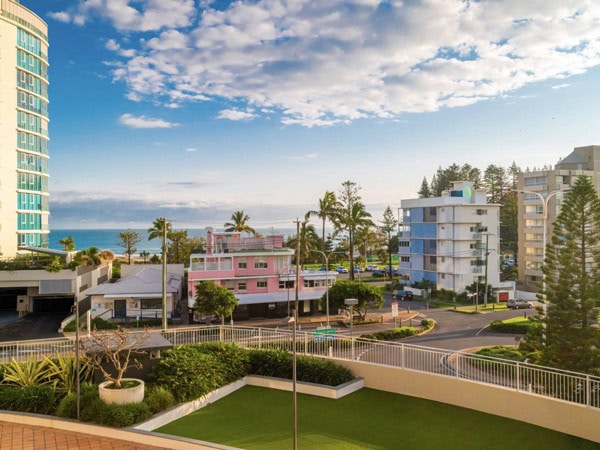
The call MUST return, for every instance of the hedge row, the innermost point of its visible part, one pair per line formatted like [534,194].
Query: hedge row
[511,327]
[398,333]
[191,371]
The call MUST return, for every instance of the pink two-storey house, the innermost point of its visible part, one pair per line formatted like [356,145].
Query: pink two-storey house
[259,271]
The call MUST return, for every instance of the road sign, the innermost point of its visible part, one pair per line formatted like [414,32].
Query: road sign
[322,331]
[394,309]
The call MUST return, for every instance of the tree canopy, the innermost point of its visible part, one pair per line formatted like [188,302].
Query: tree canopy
[368,296]
[68,243]
[128,240]
[572,278]
[213,299]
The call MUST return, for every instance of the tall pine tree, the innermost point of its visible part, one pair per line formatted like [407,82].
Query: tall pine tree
[572,278]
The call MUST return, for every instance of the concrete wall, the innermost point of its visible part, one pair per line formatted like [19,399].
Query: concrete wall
[565,417]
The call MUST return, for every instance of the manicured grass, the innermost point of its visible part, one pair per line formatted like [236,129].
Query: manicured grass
[260,418]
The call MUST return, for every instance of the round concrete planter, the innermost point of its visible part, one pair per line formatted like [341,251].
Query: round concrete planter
[121,396]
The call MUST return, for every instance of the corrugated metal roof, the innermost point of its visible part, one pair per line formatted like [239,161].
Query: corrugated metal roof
[144,283]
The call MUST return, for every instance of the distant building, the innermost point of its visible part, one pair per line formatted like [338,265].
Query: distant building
[582,161]
[23,129]
[444,239]
[259,271]
[138,293]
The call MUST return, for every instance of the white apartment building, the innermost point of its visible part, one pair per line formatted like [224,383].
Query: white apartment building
[444,239]
[542,194]
[23,129]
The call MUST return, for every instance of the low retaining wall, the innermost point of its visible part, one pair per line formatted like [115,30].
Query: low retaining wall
[184,409]
[558,415]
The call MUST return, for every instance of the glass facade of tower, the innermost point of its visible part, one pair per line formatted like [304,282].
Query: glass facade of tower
[32,138]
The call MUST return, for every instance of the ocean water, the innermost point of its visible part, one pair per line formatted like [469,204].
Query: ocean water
[109,239]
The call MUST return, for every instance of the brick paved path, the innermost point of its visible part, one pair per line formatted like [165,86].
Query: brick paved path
[25,437]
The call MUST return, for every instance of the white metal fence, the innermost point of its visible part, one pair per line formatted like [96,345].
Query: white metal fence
[529,378]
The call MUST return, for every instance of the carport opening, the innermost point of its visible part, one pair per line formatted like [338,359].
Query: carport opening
[8,298]
[53,304]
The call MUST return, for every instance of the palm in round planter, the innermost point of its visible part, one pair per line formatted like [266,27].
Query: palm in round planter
[112,354]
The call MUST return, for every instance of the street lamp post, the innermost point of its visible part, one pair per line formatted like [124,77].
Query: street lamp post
[351,302]
[545,201]
[326,256]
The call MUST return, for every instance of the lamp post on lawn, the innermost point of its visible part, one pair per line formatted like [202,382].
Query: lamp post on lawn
[351,302]
[326,257]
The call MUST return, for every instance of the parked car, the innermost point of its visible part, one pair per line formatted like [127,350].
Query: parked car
[378,273]
[341,269]
[404,295]
[371,268]
[395,271]
[518,304]
[357,269]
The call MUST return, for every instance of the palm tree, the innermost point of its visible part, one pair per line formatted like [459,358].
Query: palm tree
[239,222]
[327,206]
[158,231]
[68,243]
[309,240]
[144,254]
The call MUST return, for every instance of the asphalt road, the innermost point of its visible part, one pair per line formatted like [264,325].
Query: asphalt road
[32,326]
[457,331]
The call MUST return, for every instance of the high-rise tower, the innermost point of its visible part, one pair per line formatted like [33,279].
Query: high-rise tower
[23,128]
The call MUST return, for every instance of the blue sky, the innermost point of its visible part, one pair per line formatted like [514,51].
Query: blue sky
[193,109]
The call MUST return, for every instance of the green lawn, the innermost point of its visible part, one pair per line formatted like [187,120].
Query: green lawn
[260,418]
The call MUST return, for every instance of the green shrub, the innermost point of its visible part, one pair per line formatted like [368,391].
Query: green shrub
[233,357]
[391,335]
[278,364]
[38,399]
[500,351]
[158,399]
[97,323]
[271,363]
[90,403]
[114,415]
[511,327]
[189,373]
[427,323]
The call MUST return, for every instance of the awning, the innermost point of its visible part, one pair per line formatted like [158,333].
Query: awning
[279,297]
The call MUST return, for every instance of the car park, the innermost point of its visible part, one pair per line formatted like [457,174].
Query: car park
[341,269]
[518,304]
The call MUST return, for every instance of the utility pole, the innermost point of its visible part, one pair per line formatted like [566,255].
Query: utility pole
[164,274]
[485,292]
[294,364]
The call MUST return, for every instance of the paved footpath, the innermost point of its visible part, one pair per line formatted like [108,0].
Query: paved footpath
[26,437]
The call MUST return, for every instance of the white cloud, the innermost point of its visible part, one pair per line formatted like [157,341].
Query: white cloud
[191,150]
[60,16]
[235,114]
[145,122]
[561,86]
[326,63]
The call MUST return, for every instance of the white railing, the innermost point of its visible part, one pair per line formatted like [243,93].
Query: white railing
[528,378]
[25,350]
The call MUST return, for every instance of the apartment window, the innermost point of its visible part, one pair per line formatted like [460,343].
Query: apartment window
[404,244]
[283,284]
[229,285]
[242,264]
[481,212]
[261,284]
[260,263]
[442,276]
[405,259]
[241,285]
[477,262]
